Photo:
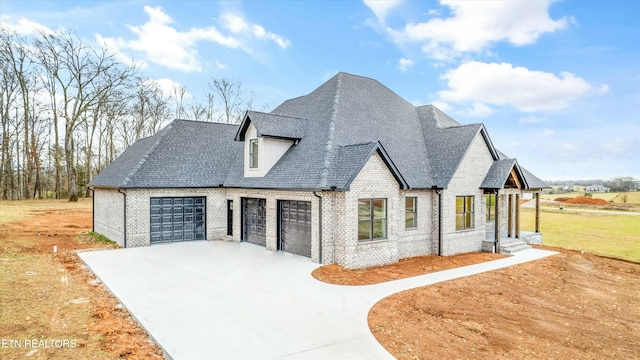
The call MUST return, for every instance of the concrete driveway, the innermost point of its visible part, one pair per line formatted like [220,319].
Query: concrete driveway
[226,300]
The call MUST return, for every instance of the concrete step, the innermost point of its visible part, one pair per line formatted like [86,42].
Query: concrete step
[512,246]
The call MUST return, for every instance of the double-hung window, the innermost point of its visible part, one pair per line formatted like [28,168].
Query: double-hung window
[464,212]
[410,212]
[253,153]
[372,219]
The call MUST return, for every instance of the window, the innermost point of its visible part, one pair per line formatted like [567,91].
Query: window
[464,212]
[372,219]
[410,212]
[491,207]
[253,153]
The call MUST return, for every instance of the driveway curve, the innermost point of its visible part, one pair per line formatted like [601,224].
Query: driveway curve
[228,300]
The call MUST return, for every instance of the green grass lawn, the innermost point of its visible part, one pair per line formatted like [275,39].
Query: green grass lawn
[602,234]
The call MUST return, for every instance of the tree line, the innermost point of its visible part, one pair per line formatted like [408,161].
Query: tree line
[69,108]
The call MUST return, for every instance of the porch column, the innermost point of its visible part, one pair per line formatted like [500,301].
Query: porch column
[537,212]
[497,220]
[517,216]
[510,215]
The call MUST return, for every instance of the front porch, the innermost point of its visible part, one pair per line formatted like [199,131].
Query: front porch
[504,187]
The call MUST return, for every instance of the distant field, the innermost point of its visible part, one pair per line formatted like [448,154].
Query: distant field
[632,197]
[16,210]
[602,234]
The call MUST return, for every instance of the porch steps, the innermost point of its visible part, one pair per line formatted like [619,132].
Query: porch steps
[511,246]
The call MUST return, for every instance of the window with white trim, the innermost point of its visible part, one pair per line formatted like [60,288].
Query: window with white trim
[253,153]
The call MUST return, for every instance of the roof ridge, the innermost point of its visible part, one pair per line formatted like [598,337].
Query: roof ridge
[201,122]
[151,149]
[324,174]
[278,114]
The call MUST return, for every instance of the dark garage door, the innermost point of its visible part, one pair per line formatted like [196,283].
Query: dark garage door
[295,227]
[177,219]
[254,221]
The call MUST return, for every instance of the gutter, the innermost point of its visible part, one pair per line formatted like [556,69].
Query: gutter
[125,217]
[320,226]
[93,209]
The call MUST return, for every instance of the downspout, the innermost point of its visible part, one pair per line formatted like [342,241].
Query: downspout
[93,209]
[125,217]
[319,226]
[439,192]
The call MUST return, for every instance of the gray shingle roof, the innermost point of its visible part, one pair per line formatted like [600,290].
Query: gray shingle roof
[532,182]
[183,154]
[338,125]
[273,125]
[498,174]
[350,159]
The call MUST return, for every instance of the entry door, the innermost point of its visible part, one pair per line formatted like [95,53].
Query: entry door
[254,221]
[295,227]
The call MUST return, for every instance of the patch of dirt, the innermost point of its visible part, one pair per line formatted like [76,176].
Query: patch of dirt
[583,200]
[567,306]
[50,296]
[419,265]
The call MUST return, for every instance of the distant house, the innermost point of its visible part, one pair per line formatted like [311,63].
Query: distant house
[596,188]
[349,174]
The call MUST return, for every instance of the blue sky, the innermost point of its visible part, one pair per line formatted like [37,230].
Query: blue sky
[556,83]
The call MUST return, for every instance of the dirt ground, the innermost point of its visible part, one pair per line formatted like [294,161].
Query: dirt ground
[52,307]
[567,306]
[336,274]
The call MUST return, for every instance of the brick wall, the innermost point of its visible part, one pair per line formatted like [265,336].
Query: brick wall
[374,181]
[108,214]
[272,197]
[419,240]
[466,182]
[138,212]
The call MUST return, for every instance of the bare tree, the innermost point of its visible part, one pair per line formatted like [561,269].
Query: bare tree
[83,76]
[17,57]
[231,100]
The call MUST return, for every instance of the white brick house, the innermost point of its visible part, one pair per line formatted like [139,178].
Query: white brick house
[349,174]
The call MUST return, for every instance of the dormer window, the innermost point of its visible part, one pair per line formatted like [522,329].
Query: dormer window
[253,153]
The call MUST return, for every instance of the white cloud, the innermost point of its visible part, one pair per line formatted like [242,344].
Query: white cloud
[505,85]
[23,26]
[381,7]
[169,87]
[160,42]
[479,110]
[404,64]
[238,25]
[475,25]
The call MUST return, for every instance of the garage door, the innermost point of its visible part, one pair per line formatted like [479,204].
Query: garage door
[254,221]
[295,227]
[177,219]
